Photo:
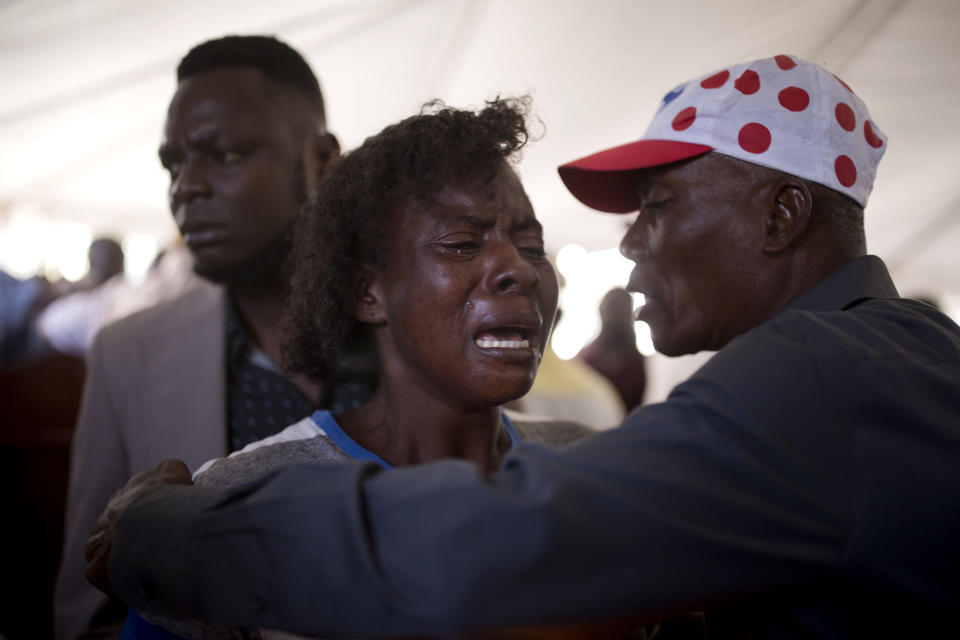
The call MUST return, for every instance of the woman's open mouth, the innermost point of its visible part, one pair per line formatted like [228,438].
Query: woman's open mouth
[503,338]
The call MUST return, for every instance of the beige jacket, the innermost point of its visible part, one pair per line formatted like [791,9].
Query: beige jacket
[155,389]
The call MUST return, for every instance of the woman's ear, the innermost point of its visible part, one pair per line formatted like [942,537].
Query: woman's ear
[787,216]
[370,307]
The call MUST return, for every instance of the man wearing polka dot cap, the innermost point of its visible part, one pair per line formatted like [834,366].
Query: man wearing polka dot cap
[780,112]
[804,483]
[813,460]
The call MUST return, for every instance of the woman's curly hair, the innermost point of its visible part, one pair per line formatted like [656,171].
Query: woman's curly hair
[342,227]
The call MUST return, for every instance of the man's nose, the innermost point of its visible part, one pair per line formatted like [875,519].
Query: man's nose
[189,183]
[632,245]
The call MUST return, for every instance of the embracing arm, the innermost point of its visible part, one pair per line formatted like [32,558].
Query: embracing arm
[684,505]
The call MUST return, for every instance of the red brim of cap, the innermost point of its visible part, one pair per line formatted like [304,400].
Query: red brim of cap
[607,181]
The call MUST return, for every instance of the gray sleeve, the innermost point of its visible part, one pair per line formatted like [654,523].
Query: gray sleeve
[249,465]
[235,470]
[552,433]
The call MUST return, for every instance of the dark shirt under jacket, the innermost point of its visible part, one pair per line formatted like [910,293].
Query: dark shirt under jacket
[808,471]
[260,400]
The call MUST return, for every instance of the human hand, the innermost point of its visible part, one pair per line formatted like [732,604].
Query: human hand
[100,542]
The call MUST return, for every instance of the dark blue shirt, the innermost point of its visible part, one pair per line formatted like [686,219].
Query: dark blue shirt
[261,400]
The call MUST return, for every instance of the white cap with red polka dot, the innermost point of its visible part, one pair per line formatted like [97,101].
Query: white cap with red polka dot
[781,112]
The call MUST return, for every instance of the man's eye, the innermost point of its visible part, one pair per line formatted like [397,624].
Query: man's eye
[461,248]
[653,209]
[227,157]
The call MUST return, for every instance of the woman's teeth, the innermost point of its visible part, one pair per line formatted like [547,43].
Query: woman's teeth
[490,343]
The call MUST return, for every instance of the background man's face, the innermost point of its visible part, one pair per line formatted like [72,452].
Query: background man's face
[236,170]
[616,310]
[696,244]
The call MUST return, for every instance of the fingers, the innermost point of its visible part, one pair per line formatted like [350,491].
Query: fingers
[94,542]
[169,471]
[97,556]
[173,471]
[100,542]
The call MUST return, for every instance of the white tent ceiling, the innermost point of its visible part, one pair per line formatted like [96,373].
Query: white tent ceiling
[86,84]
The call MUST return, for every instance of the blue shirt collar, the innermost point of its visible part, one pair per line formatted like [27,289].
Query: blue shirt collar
[329,425]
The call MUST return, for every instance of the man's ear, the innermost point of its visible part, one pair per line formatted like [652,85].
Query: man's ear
[321,153]
[370,306]
[788,215]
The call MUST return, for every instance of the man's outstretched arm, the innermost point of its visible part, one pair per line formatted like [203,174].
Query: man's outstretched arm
[667,512]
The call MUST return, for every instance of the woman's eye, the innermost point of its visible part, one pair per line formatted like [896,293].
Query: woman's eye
[535,252]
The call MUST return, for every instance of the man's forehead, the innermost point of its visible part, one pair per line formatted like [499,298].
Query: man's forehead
[663,175]
[224,100]
[698,171]
[208,120]
[234,88]
[230,75]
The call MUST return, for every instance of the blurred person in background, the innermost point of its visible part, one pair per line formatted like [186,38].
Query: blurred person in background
[70,323]
[571,390]
[614,353]
[245,143]
[105,261]
[21,302]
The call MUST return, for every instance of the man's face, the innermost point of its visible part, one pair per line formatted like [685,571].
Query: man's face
[236,170]
[469,296]
[106,259]
[697,244]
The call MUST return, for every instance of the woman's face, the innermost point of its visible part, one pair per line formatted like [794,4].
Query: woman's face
[467,295]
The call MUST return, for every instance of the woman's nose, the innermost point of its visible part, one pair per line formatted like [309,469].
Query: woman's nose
[510,271]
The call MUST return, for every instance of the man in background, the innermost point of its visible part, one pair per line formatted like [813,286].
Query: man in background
[245,143]
[21,302]
[614,353]
[105,260]
[71,322]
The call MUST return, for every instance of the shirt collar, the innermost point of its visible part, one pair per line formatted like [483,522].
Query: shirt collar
[325,421]
[240,348]
[864,278]
[238,344]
